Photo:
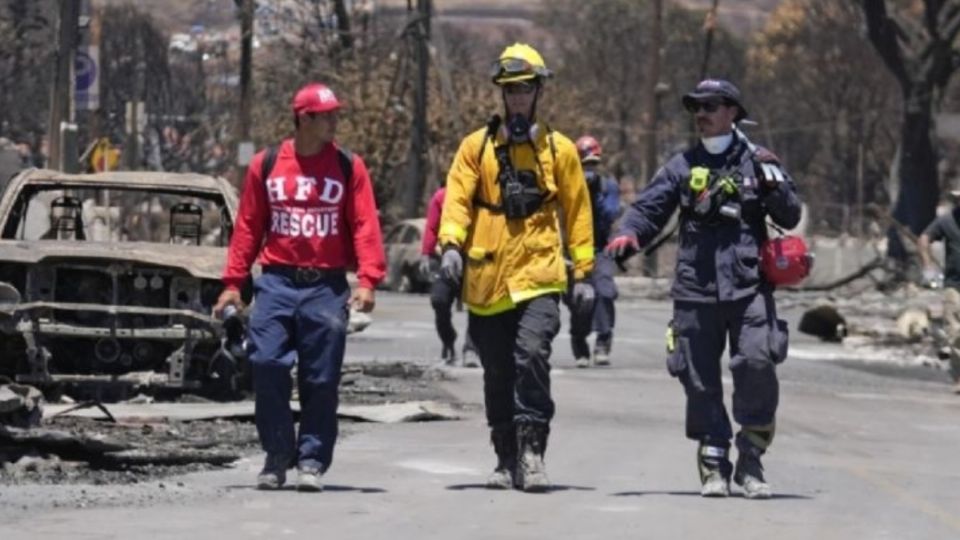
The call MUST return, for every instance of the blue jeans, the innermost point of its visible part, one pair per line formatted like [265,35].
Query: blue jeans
[603,316]
[307,322]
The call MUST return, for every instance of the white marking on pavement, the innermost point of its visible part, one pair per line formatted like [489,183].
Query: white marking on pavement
[618,509]
[638,340]
[437,467]
[867,396]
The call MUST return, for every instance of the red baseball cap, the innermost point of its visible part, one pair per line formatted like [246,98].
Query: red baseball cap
[314,98]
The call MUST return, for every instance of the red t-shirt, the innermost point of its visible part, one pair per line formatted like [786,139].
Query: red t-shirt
[429,244]
[307,214]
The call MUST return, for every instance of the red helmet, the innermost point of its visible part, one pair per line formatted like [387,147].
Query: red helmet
[589,149]
[785,260]
[314,98]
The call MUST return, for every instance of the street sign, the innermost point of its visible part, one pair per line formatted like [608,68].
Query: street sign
[87,86]
[104,156]
[245,152]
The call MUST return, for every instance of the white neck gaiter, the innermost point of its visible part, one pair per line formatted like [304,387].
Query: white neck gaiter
[716,145]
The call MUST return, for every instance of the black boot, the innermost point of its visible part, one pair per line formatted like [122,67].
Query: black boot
[581,351]
[504,441]
[601,350]
[531,471]
[449,354]
[749,472]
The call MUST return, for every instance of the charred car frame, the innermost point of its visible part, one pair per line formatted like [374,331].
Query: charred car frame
[107,275]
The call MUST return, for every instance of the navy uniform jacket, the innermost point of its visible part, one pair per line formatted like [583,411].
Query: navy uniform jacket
[605,203]
[720,260]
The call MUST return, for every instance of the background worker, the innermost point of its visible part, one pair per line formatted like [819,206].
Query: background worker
[307,214]
[946,228]
[726,188]
[605,207]
[443,291]
[511,186]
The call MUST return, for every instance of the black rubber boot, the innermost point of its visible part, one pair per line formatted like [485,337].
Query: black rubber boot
[581,351]
[749,472]
[504,441]
[531,471]
[449,354]
[601,350]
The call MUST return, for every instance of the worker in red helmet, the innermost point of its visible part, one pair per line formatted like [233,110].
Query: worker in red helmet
[443,291]
[598,317]
[725,188]
[307,214]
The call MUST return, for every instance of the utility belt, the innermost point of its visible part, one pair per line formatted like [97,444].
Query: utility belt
[304,275]
[520,194]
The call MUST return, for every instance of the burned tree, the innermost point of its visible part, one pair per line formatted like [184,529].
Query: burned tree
[917,45]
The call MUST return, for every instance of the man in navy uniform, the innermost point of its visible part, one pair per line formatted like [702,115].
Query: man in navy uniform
[725,188]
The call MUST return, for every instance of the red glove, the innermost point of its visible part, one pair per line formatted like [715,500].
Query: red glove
[622,246]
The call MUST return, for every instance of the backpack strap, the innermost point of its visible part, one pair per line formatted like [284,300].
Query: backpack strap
[346,163]
[344,156]
[553,146]
[269,160]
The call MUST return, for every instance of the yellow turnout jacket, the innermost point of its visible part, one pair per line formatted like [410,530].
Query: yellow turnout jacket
[508,261]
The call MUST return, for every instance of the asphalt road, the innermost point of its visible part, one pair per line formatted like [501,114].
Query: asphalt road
[861,452]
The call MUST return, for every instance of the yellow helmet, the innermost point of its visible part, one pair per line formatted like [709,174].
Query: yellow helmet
[519,62]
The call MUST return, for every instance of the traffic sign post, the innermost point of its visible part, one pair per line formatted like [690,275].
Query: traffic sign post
[87,69]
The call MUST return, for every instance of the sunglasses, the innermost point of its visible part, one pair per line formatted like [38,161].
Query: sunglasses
[328,114]
[709,106]
[520,88]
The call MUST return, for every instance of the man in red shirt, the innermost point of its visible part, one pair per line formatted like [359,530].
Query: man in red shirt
[443,291]
[307,214]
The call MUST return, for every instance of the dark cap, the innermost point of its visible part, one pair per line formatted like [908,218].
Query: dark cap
[709,88]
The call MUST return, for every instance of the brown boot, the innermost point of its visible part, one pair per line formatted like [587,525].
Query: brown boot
[531,471]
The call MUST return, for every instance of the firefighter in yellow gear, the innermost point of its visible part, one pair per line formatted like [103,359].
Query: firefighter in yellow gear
[516,204]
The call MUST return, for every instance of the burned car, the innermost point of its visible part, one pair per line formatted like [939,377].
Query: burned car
[402,246]
[112,274]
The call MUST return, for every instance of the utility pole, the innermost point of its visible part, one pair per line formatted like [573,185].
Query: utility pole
[710,26]
[61,95]
[413,193]
[651,113]
[246,71]
[343,24]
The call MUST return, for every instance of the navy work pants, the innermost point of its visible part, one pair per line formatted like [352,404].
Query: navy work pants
[757,343]
[306,322]
[603,316]
[514,349]
[443,293]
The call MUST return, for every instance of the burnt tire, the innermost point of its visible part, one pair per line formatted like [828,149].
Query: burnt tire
[229,377]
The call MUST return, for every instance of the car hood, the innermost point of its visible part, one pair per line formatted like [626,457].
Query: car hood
[198,261]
